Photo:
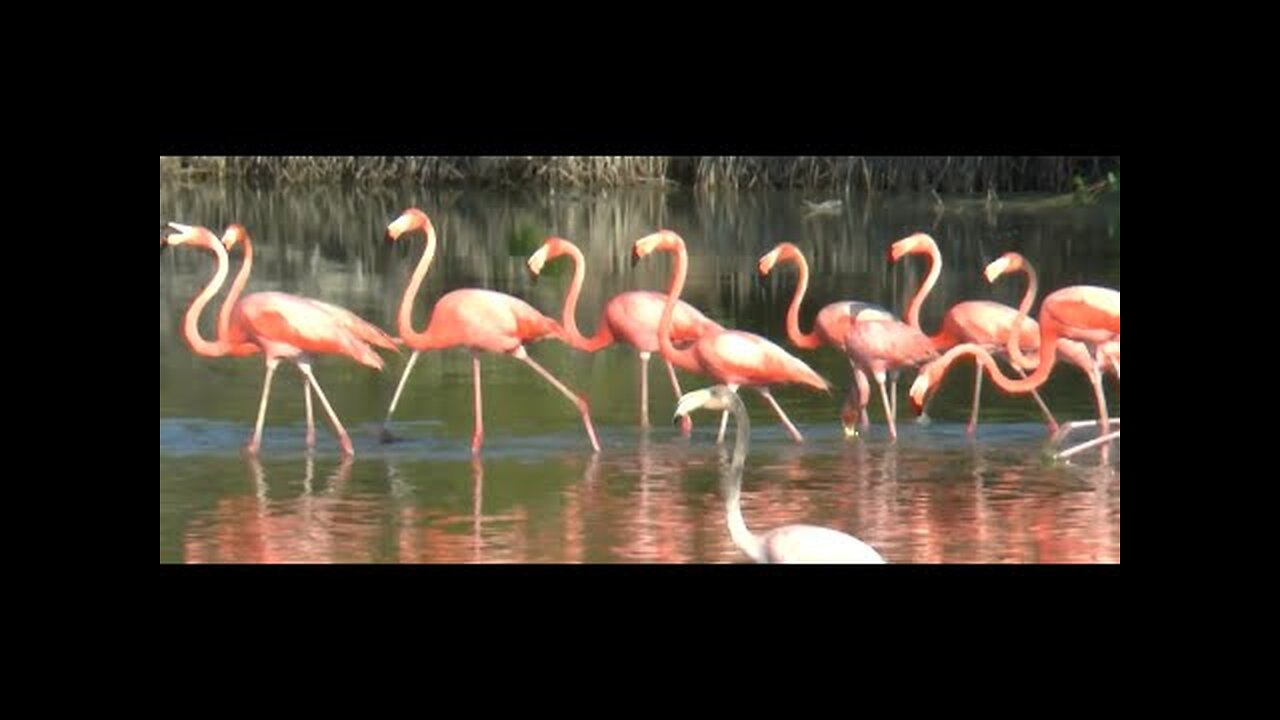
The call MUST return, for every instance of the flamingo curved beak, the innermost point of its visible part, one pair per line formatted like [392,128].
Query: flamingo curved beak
[691,401]
[535,262]
[996,268]
[635,256]
[919,389]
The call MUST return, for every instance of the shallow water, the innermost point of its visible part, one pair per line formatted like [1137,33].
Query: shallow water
[538,494]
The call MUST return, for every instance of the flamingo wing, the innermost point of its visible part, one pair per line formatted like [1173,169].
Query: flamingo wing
[357,325]
[298,322]
[749,359]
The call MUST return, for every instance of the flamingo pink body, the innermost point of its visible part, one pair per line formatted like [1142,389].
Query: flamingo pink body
[478,320]
[280,325]
[631,317]
[732,357]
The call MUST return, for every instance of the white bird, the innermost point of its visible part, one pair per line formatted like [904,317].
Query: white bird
[787,544]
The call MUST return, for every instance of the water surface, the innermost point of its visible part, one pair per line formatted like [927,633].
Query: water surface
[537,494]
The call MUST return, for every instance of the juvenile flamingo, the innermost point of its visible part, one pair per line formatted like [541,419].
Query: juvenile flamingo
[787,544]
[829,327]
[1088,314]
[629,317]
[478,320]
[732,357]
[982,322]
[283,326]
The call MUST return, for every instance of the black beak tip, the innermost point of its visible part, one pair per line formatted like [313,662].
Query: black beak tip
[635,258]
[675,419]
[389,237]
[533,276]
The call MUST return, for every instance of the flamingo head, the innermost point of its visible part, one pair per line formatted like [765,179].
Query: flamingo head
[1006,263]
[925,385]
[661,240]
[917,244]
[780,253]
[194,235]
[715,398]
[234,233]
[551,249]
[411,219]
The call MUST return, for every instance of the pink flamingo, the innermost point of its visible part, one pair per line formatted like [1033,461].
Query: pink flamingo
[982,322]
[878,347]
[829,327]
[1087,314]
[478,320]
[236,234]
[629,317]
[283,326]
[732,357]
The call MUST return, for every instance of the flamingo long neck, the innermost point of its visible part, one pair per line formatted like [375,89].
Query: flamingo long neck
[237,287]
[913,308]
[810,341]
[190,326]
[746,540]
[412,338]
[686,357]
[1028,298]
[1048,355]
[603,337]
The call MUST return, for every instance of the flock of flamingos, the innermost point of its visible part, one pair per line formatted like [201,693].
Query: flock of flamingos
[1079,323]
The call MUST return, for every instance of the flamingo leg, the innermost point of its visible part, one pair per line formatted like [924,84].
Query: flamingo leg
[977,396]
[795,434]
[477,437]
[395,399]
[256,441]
[644,389]
[579,402]
[893,393]
[1095,378]
[343,439]
[884,396]
[1067,428]
[686,424]
[311,418]
[1086,445]
[1104,425]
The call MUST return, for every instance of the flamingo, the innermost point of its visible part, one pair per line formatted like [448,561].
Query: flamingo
[283,326]
[236,234]
[787,544]
[982,322]
[830,326]
[1085,313]
[478,320]
[732,357]
[629,317]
